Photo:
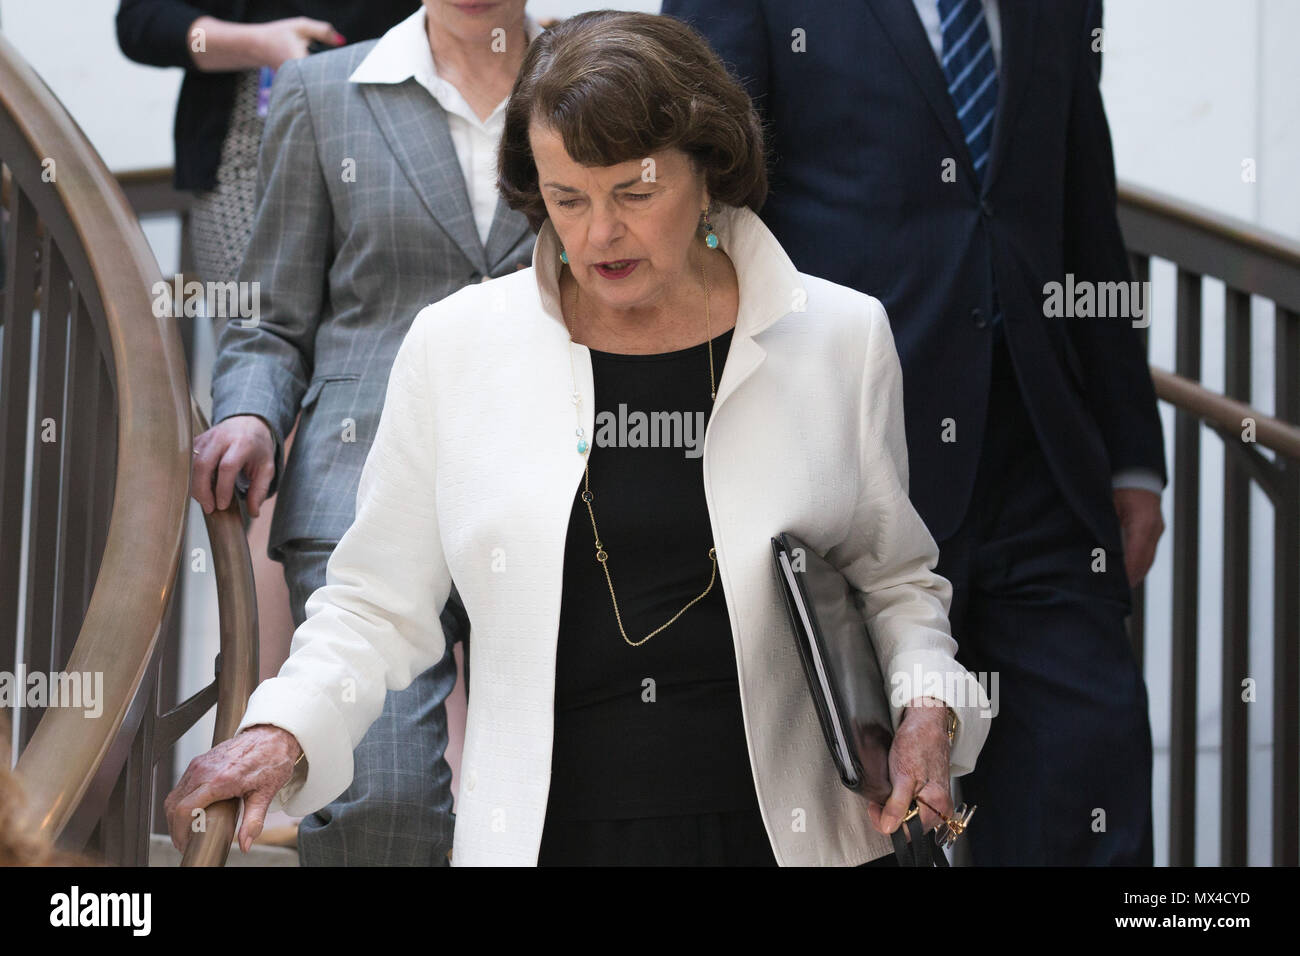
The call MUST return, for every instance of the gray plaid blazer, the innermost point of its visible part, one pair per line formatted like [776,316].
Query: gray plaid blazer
[363,219]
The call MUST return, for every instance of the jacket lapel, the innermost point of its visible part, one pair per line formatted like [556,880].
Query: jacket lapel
[900,23]
[415,126]
[1018,20]
[508,227]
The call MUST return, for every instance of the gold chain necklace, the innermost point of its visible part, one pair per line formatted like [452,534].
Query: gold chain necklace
[602,556]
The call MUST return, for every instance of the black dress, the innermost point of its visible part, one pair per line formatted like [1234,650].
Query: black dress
[650,764]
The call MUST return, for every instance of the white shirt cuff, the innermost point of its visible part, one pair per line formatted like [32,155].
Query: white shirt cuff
[320,731]
[1143,478]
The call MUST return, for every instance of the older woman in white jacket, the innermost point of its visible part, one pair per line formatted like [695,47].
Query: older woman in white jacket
[636,696]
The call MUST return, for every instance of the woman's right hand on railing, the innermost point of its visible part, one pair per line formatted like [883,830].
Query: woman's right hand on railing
[252,765]
[240,443]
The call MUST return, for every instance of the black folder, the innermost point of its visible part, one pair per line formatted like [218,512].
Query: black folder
[840,664]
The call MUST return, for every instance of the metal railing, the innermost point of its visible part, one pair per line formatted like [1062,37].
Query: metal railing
[96,425]
[1250,262]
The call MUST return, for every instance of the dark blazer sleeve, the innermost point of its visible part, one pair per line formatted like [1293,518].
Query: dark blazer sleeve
[156,32]
[1118,385]
[264,368]
[737,31]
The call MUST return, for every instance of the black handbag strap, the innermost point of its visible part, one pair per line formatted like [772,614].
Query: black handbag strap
[920,851]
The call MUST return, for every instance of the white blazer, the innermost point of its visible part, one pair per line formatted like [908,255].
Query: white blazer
[472,476]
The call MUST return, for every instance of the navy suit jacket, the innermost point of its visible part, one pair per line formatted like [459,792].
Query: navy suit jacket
[860,124]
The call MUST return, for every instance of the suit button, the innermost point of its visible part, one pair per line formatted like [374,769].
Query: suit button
[471,778]
[977,316]
[987,206]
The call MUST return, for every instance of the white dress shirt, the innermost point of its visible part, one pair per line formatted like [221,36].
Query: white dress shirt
[928,11]
[472,477]
[402,53]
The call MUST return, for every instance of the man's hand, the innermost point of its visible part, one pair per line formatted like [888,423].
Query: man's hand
[1140,525]
[235,444]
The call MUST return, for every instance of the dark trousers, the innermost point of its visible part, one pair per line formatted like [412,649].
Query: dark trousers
[397,810]
[1065,775]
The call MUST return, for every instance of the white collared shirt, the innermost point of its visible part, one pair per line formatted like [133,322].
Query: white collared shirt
[403,53]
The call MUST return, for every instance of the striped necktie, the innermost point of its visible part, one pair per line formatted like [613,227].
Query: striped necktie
[972,74]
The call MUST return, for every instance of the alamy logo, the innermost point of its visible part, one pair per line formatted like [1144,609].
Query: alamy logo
[218,300]
[959,688]
[651,430]
[76,689]
[75,908]
[1100,300]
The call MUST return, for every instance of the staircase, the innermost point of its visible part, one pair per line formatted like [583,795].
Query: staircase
[96,425]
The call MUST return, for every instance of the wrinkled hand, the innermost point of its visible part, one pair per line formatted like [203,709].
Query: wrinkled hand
[1141,524]
[235,444]
[252,765]
[918,766]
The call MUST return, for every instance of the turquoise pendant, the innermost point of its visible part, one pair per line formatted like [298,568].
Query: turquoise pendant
[711,240]
[582,446]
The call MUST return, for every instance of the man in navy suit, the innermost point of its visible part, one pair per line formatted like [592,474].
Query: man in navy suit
[952,158]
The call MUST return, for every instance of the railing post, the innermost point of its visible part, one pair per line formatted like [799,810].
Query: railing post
[43,573]
[15,379]
[1186,557]
[77,576]
[1137,620]
[1235,766]
[1286,605]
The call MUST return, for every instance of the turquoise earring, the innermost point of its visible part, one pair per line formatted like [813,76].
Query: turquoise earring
[710,237]
[564,257]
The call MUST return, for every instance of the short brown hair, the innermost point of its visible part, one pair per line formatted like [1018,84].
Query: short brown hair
[618,86]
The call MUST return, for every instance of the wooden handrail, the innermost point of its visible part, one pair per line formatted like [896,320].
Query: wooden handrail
[1226,413]
[1210,243]
[113,269]
[1248,237]
[237,678]
[150,191]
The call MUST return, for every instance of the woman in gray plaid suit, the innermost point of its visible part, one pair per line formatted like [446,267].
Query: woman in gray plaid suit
[377,197]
